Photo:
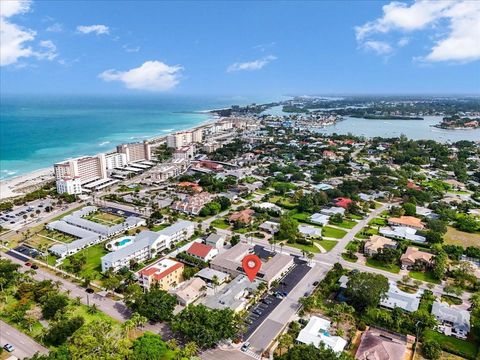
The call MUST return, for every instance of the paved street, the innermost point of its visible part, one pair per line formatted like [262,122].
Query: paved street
[25,346]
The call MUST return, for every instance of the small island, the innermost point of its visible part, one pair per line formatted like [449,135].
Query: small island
[456,122]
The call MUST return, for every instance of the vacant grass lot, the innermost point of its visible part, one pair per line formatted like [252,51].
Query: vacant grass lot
[379,265]
[366,232]
[39,242]
[220,224]
[424,276]
[333,233]
[346,224]
[309,248]
[456,237]
[327,244]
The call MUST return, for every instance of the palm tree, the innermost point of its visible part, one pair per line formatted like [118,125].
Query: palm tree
[282,244]
[215,283]
[285,341]
[310,256]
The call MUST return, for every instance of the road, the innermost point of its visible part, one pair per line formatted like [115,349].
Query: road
[25,346]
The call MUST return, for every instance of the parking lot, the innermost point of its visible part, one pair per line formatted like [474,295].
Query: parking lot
[268,303]
[118,212]
[11,219]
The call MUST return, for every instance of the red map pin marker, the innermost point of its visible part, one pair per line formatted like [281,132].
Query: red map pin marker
[251,265]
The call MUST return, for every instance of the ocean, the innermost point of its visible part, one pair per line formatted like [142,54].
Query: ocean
[37,131]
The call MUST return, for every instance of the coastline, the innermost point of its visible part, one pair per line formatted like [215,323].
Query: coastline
[21,184]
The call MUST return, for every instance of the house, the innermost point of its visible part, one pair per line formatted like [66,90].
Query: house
[269,207]
[208,275]
[398,298]
[342,202]
[215,240]
[190,185]
[320,219]
[189,291]
[333,210]
[402,233]
[457,319]
[316,332]
[408,221]
[202,252]
[233,295]
[192,204]
[243,216]
[413,255]
[270,227]
[309,231]
[167,273]
[323,186]
[377,242]
[381,345]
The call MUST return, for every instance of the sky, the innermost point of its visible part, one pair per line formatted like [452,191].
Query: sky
[240,48]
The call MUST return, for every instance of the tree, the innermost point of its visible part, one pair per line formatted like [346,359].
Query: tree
[440,264]
[431,349]
[149,346]
[285,341]
[52,304]
[190,349]
[99,340]
[310,352]
[433,237]
[59,332]
[235,240]
[288,229]
[366,290]
[155,305]
[111,283]
[204,326]
[410,209]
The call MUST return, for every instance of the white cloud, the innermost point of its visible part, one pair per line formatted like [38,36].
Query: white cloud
[56,28]
[379,47]
[15,41]
[97,29]
[458,19]
[130,49]
[12,36]
[404,41]
[151,75]
[251,65]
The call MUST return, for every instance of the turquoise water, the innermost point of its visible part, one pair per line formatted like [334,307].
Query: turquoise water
[36,132]
[124,242]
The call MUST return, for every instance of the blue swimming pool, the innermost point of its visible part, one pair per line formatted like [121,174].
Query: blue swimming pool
[124,242]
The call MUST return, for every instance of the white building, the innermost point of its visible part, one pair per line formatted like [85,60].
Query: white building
[69,185]
[320,219]
[184,152]
[147,245]
[316,333]
[115,161]
[136,151]
[87,168]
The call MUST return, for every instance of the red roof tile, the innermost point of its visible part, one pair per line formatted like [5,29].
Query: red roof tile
[199,249]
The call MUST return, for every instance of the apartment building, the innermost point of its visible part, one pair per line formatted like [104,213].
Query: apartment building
[166,273]
[69,185]
[86,168]
[115,161]
[147,245]
[184,138]
[136,151]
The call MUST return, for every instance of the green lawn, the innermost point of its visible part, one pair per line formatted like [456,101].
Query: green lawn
[355,217]
[220,223]
[93,267]
[160,227]
[312,249]
[353,245]
[327,244]
[346,224]
[379,265]
[345,257]
[451,344]
[365,233]
[424,276]
[300,216]
[378,222]
[333,233]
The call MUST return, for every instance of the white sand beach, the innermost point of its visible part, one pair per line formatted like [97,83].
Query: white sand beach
[13,187]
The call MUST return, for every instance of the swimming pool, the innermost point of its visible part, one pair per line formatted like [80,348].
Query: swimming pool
[117,244]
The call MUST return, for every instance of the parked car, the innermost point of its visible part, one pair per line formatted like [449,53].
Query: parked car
[28,264]
[245,346]
[34,266]
[9,347]
[315,283]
